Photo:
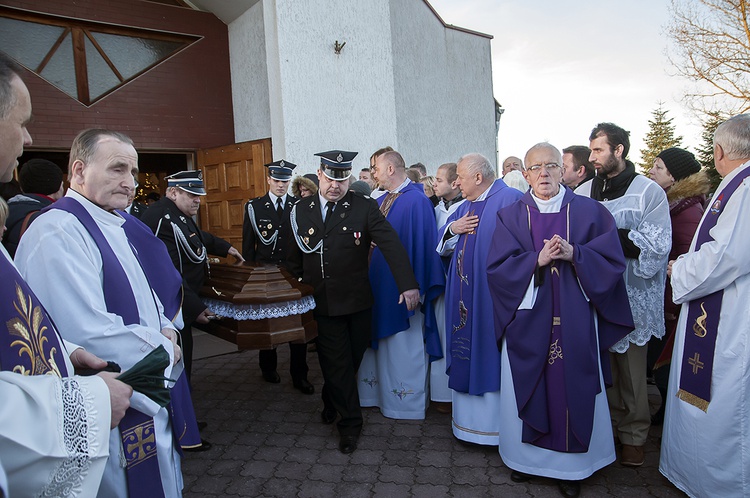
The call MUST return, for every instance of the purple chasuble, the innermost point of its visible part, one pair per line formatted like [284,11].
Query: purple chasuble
[556,398]
[29,344]
[460,321]
[136,428]
[559,437]
[702,324]
[481,372]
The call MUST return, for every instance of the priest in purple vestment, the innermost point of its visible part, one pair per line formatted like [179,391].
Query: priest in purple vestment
[555,274]
[473,361]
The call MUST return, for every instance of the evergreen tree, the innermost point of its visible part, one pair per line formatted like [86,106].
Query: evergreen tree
[705,152]
[660,136]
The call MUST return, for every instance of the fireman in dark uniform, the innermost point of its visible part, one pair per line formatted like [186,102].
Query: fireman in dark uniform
[171,219]
[332,234]
[265,236]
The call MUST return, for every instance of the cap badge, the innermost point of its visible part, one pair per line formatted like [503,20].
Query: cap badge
[339,158]
[281,164]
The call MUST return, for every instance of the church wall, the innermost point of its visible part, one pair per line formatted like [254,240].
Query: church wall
[249,69]
[319,100]
[443,88]
[182,103]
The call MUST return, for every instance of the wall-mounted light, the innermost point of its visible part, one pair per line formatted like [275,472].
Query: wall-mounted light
[338,46]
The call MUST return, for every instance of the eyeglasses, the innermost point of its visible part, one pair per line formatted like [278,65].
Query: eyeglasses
[537,168]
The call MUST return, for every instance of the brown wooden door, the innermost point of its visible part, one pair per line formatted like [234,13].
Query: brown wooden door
[232,174]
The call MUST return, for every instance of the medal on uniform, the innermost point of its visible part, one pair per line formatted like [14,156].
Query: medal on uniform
[357,236]
[311,231]
[182,219]
[264,233]
[306,240]
[270,226]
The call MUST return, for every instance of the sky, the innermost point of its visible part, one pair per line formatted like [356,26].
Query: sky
[559,67]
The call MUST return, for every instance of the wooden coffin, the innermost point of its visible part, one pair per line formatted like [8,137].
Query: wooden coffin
[261,306]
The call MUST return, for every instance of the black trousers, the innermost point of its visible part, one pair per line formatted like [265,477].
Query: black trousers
[297,360]
[342,341]
[186,335]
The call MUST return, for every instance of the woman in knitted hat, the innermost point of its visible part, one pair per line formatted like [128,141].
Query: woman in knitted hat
[303,187]
[679,174]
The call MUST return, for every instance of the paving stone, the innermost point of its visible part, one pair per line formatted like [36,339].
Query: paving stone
[396,474]
[428,491]
[434,458]
[327,473]
[246,486]
[314,489]
[388,490]
[268,441]
[433,475]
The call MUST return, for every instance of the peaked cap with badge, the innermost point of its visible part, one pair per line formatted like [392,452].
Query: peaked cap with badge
[336,164]
[265,229]
[189,181]
[281,170]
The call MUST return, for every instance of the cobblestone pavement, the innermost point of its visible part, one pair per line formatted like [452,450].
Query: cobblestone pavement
[268,441]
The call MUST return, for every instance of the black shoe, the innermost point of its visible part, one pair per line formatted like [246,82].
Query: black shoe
[272,376]
[347,444]
[303,386]
[517,476]
[569,489]
[205,446]
[328,416]
[202,425]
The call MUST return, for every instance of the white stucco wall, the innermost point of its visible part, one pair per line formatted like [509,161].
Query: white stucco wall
[403,79]
[444,100]
[247,59]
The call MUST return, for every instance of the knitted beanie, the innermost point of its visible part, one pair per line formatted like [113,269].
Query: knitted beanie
[40,176]
[679,162]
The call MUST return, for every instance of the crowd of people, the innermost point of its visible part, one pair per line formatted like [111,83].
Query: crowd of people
[532,307]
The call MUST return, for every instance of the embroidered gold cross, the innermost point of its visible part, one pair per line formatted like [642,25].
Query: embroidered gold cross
[696,362]
[140,445]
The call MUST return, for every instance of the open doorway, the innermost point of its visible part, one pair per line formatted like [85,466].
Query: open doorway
[153,167]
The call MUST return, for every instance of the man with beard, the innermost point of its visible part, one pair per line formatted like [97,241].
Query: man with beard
[641,211]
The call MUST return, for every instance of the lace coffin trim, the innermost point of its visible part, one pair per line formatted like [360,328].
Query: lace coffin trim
[261,311]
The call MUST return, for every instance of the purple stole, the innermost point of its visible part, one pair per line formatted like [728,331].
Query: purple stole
[166,282]
[136,428]
[29,344]
[702,324]
[459,321]
[559,436]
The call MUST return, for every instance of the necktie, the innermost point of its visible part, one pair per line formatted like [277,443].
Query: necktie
[279,207]
[329,210]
